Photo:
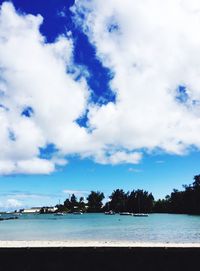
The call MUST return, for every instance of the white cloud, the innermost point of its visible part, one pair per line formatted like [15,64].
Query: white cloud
[34,78]
[32,166]
[25,196]
[118,157]
[152,47]
[20,199]
[33,75]
[10,204]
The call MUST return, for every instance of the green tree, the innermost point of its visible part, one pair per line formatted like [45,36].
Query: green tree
[118,200]
[140,201]
[81,205]
[182,202]
[162,205]
[95,201]
[74,203]
[71,204]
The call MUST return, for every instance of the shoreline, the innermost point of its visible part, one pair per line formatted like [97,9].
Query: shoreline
[86,243]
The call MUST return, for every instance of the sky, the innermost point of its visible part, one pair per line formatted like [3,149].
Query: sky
[97,97]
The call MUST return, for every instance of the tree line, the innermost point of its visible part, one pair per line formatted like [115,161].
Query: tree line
[186,201]
[119,201]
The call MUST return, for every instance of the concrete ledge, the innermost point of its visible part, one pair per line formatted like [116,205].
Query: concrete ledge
[99,258]
[93,243]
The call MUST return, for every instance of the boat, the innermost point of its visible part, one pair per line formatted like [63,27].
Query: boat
[59,214]
[109,213]
[140,215]
[77,213]
[126,213]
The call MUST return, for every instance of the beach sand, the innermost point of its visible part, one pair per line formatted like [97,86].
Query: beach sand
[84,243]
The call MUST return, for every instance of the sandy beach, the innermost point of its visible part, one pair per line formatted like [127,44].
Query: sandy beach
[83,243]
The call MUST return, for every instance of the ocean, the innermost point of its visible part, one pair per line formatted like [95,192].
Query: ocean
[165,228]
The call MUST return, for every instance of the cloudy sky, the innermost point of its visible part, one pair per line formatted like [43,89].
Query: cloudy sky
[97,96]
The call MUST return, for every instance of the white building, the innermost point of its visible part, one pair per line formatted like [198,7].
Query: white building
[52,209]
[32,210]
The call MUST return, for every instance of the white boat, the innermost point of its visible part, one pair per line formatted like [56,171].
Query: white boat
[126,213]
[77,213]
[59,214]
[140,215]
[109,213]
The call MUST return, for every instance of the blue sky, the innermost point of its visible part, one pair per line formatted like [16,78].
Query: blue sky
[93,99]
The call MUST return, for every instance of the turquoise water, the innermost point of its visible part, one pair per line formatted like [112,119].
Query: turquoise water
[155,228]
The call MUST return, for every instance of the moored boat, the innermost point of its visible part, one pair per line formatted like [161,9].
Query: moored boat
[140,215]
[126,213]
[59,214]
[77,213]
[109,213]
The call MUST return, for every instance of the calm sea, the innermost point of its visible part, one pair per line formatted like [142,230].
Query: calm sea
[155,228]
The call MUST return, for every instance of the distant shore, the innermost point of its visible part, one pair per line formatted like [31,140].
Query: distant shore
[85,243]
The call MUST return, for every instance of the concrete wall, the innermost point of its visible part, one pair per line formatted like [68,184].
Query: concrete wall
[99,259]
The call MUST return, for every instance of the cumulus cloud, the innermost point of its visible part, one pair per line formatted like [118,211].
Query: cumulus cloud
[153,50]
[27,195]
[10,204]
[32,166]
[118,157]
[23,199]
[40,100]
